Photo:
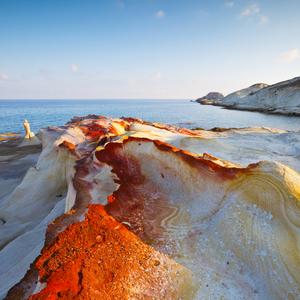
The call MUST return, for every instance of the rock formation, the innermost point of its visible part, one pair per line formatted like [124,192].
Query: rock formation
[127,209]
[9,136]
[279,98]
[30,138]
[28,133]
[210,98]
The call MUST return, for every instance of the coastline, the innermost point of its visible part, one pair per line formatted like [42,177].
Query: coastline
[260,110]
[282,98]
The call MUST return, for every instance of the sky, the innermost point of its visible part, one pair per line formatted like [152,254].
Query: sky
[164,49]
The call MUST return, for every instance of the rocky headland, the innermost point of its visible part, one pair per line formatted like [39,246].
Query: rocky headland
[128,209]
[210,98]
[280,98]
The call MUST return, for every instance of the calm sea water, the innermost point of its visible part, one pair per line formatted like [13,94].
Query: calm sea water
[42,113]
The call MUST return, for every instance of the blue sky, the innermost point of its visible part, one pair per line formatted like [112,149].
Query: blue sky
[144,48]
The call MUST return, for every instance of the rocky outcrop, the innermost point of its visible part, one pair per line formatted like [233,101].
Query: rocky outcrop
[5,137]
[279,98]
[210,98]
[241,94]
[127,209]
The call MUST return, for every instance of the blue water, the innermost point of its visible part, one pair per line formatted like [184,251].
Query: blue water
[42,113]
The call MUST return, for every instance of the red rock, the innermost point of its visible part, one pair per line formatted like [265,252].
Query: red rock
[100,259]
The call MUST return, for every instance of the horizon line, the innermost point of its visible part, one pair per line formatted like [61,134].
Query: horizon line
[28,99]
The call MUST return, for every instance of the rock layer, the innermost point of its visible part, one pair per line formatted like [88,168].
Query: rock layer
[145,214]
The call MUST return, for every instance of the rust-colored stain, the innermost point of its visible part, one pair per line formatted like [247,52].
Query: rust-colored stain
[111,155]
[69,146]
[98,258]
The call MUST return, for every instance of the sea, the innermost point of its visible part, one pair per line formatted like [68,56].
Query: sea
[184,113]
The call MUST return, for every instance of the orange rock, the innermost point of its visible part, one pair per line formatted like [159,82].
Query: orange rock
[99,258]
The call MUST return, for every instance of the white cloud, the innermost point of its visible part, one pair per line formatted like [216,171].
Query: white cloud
[160,14]
[254,10]
[3,76]
[74,68]
[251,10]
[229,3]
[263,19]
[290,55]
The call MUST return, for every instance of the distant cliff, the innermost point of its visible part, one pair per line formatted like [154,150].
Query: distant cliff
[279,98]
[210,98]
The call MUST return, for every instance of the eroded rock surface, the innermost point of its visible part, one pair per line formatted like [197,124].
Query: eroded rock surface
[127,209]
